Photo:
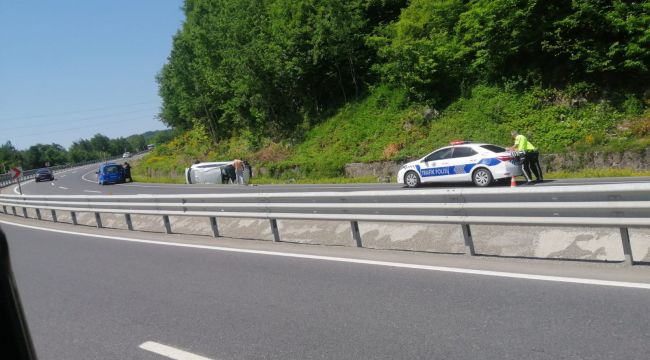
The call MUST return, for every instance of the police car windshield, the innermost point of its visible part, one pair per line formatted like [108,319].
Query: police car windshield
[493,148]
[440,154]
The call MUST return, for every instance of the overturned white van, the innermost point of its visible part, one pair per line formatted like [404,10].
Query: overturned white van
[220,172]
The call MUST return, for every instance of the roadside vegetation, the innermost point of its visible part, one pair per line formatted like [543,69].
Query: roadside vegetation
[300,88]
[99,147]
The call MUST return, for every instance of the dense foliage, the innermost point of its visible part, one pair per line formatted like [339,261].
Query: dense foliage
[439,46]
[270,67]
[386,126]
[274,68]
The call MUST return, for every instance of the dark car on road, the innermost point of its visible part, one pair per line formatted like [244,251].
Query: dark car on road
[44,175]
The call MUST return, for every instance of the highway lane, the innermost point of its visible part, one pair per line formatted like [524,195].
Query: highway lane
[98,298]
[83,182]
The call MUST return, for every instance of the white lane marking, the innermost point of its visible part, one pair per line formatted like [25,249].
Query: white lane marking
[93,191]
[63,188]
[359,261]
[170,352]
[28,181]
[83,177]
[591,183]
[22,183]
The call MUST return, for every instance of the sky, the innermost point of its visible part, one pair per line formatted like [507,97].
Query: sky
[70,69]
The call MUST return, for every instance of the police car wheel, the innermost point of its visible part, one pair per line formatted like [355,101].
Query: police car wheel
[411,179]
[482,177]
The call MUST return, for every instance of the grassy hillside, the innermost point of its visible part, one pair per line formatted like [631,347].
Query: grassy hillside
[382,126]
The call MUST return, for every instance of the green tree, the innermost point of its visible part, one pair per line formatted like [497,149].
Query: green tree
[137,142]
[607,42]
[9,156]
[100,143]
[421,51]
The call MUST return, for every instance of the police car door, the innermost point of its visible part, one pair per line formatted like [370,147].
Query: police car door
[463,159]
[435,167]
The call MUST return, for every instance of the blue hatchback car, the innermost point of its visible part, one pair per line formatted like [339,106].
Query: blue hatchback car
[110,173]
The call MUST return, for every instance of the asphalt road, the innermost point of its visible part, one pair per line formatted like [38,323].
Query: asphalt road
[90,298]
[93,298]
[83,181]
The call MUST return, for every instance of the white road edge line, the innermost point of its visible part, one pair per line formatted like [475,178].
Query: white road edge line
[170,352]
[60,172]
[359,261]
[83,177]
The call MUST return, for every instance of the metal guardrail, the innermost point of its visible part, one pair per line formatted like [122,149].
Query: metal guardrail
[620,206]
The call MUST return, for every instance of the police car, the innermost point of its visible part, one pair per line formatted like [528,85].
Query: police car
[463,161]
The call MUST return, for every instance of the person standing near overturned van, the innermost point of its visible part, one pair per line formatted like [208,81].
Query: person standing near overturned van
[127,172]
[531,156]
[239,171]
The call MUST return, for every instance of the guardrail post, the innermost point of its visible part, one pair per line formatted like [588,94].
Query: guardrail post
[13,208]
[469,243]
[356,235]
[73,215]
[274,229]
[25,213]
[98,220]
[38,214]
[168,225]
[627,248]
[53,212]
[215,226]
[129,223]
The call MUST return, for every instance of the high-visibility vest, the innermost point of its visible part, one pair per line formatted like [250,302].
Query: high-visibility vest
[522,144]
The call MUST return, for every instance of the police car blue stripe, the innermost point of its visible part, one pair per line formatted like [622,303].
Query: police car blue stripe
[455,170]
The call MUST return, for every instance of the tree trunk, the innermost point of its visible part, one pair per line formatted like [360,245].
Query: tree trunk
[338,71]
[354,76]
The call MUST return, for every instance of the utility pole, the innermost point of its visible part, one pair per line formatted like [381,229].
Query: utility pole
[19,187]
[20,176]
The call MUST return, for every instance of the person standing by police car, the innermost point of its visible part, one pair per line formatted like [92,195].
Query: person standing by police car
[531,157]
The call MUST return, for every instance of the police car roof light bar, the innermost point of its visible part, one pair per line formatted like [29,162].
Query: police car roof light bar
[460,142]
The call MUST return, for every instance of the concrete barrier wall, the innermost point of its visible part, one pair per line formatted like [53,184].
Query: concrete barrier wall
[582,243]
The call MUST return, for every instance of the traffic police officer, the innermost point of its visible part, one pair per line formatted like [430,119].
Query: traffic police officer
[531,156]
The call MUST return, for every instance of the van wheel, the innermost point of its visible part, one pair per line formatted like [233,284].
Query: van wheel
[482,177]
[411,179]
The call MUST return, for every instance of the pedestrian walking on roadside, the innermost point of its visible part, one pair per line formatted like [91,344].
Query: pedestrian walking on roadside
[531,157]
[239,171]
[127,172]
[248,166]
